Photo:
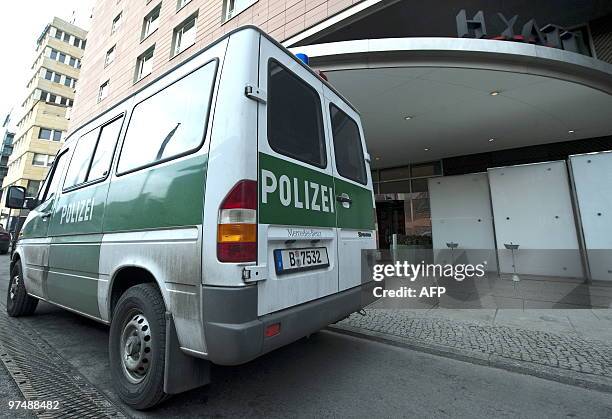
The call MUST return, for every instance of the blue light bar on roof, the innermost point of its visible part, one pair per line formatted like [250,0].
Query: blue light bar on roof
[303,58]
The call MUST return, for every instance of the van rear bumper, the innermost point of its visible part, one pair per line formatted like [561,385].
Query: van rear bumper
[235,334]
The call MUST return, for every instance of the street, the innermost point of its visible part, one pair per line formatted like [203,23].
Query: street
[327,375]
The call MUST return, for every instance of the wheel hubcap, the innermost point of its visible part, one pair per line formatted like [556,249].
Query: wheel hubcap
[14,287]
[136,348]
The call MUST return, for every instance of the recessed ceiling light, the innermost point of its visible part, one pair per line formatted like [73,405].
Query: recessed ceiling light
[491,140]
[426,149]
[377,158]
[571,131]
[494,93]
[408,117]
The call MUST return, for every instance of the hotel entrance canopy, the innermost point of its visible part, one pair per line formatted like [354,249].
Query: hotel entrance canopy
[424,99]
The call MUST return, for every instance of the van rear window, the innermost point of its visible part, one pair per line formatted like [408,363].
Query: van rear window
[169,124]
[295,120]
[347,146]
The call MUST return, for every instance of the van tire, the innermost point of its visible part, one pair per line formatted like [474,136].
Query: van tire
[140,305]
[18,302]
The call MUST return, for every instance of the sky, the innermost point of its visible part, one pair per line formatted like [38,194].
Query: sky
[23,22]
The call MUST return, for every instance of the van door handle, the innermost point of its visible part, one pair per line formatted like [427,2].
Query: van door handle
[45,215]
[344,198]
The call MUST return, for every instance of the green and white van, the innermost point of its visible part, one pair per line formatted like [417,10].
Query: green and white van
[216,214]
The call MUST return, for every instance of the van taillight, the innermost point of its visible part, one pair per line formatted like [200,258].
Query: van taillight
[237,225]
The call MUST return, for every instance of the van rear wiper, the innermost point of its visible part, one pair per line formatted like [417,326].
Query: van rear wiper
[164,143]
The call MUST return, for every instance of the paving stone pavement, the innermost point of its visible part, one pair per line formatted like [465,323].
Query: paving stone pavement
[566,352]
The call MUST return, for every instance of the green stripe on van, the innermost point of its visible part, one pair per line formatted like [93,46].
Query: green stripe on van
[169,195]
[360,215]
[291,194]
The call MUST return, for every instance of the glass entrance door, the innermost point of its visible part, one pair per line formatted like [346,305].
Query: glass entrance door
[391,218]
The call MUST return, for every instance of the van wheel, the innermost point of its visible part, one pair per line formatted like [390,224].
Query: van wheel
[18,302]
[137,347]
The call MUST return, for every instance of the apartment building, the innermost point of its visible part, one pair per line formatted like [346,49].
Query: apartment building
[132,42]
[42,120]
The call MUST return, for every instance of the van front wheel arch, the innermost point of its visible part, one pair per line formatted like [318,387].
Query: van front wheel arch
[137,346]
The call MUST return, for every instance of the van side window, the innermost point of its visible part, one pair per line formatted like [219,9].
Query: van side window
[100,165]
[93,154]
[52,181]
[77,171]
[170,123]
[295,122]
[347,146]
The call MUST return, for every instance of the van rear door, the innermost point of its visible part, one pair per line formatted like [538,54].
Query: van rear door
[296,239]
[353,190]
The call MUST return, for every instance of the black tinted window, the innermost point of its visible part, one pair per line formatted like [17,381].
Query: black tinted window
[347,146]
[295,123]
[170,123]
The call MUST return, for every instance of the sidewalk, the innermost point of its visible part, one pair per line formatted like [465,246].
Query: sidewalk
[571,346]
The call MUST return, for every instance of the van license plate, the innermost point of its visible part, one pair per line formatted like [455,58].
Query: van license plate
[293,260]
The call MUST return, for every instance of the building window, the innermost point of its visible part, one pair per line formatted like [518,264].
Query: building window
[78,42]
[62,57]
[48,75]
[68,81]
[103,92]
[57,78]
[73,62]
[32,188]
[116,23]
[49,134]
[110,55]
[144,64]
[42,160]
[66,37]
[58,33]
[181,3]
[151,22]
[53,54]
[233,7]
[44,134]
[184,35]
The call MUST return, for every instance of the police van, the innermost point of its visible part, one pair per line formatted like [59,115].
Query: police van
[214,215]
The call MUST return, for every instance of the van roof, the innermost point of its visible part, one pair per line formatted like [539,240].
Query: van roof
[227,35]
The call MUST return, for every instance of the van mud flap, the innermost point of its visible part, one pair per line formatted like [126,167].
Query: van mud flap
[182,372]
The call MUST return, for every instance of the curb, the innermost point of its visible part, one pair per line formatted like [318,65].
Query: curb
[574,378]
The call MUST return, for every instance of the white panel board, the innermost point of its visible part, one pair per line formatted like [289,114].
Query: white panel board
[532,207]
[592,174]
[461,213]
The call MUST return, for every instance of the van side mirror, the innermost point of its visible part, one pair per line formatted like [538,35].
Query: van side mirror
[15,197]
